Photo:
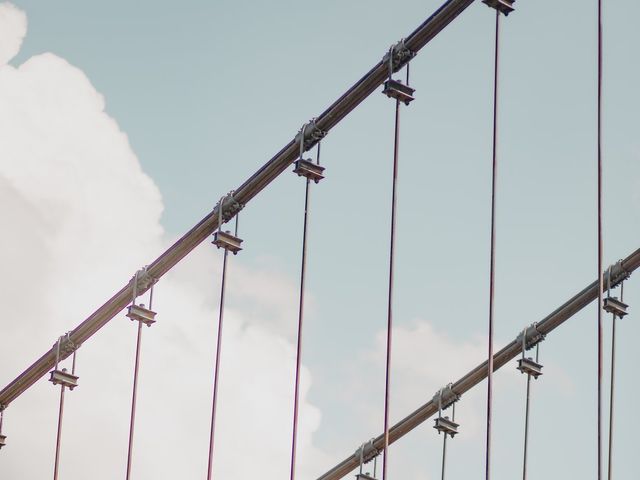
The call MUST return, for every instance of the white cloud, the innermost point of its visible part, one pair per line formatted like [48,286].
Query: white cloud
[79,217]
[13,28]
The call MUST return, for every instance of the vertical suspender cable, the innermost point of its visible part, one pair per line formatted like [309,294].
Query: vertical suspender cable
[396,141]
[56,464]
[136,372]
[613,382]
[526,429]
[600,280]
[492,247]
[303,271]
[444,440]
[59,434]
[526,415]
[216,371]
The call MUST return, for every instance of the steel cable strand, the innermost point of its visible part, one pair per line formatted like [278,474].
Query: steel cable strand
[218,356]
[136,374]
[600,243]
[303,271]
[612,387]
[494,173]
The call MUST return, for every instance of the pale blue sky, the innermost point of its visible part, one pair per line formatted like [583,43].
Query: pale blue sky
[209,91]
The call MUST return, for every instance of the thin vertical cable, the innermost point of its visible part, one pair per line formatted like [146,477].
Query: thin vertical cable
[613,382]
[600,280]
[492,247]
[303,271]
[526,429]
[59,434]
[136,373]
[444,442]
[390,292]
[216,372]
[526,421]
[134,398]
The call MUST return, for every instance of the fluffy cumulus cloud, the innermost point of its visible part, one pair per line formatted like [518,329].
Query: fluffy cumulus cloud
[14,28]
[79,217]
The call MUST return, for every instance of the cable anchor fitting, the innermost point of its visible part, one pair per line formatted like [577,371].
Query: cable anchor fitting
[612,304]
[227,208]
[503,6]
[398,56]
[616,274]
[444,398]
[306,167]
[65,347]
[141,281]
[529,338]
[311,134]
[367,452]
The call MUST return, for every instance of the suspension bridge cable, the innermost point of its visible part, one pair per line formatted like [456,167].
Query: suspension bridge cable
[59,434]
[303,271]
[143,316]
[600,280]
[527,407]
[526,429]
[613,382]
[64,379]
[231,243]
[494,172]
[216,373]
[444,440]
[401,93]
[134,396]
[387,381]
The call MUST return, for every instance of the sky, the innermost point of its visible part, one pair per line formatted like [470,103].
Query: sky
[124,123]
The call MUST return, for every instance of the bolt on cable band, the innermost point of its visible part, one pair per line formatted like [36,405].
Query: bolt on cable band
[366,453]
